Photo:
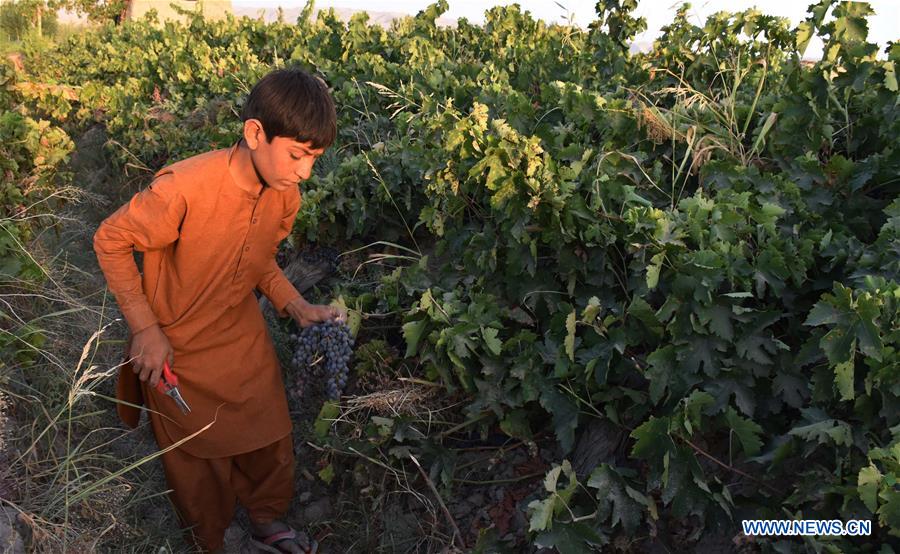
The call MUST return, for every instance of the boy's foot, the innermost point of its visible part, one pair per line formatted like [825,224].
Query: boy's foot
[278,537]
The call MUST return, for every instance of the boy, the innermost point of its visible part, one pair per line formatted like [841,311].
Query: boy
[209,227]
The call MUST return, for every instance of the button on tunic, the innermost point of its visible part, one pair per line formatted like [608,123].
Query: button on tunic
[207,244]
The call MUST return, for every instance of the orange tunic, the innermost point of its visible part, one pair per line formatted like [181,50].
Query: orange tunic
[207,244]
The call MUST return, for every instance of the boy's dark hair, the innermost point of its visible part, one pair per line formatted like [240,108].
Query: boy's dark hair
[293,103]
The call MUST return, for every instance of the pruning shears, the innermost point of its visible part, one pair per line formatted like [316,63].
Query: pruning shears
[168,385]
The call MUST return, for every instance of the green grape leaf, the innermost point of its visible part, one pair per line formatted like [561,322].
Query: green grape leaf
[843,378]
[491,341]
[564,412]
[412,332]
[570,335]
[747,431]
[868,481]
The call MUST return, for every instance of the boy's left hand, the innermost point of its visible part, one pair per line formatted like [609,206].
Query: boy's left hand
[306,314]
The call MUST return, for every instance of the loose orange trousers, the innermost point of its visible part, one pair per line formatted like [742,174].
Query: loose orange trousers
[204,490]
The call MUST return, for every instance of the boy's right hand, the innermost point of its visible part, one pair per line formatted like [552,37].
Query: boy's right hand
[150,348]
[306,314]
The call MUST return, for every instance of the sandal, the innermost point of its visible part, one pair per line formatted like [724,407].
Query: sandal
[270,543]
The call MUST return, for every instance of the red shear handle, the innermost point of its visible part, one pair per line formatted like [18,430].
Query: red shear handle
[167,380]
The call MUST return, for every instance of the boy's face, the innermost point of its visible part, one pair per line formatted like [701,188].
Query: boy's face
[282,163]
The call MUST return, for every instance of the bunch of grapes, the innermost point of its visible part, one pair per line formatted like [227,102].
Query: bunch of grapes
[324,346]
[323,255]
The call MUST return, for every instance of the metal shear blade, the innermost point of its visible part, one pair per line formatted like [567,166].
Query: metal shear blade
[176,396]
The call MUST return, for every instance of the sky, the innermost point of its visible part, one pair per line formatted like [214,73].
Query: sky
[883,27]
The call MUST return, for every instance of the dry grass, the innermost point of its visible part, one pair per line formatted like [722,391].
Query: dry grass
[69,474]
[408,400]
[76,480]
[705,124]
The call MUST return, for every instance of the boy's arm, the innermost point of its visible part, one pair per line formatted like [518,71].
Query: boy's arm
[149,221]
[273,284]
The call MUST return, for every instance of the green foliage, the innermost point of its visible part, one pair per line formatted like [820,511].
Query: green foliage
[23,344]
[97,10]
[33,154]
[18,18]
[877,484]
[14,21]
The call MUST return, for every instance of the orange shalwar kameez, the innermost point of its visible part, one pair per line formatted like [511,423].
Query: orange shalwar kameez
[207,243]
